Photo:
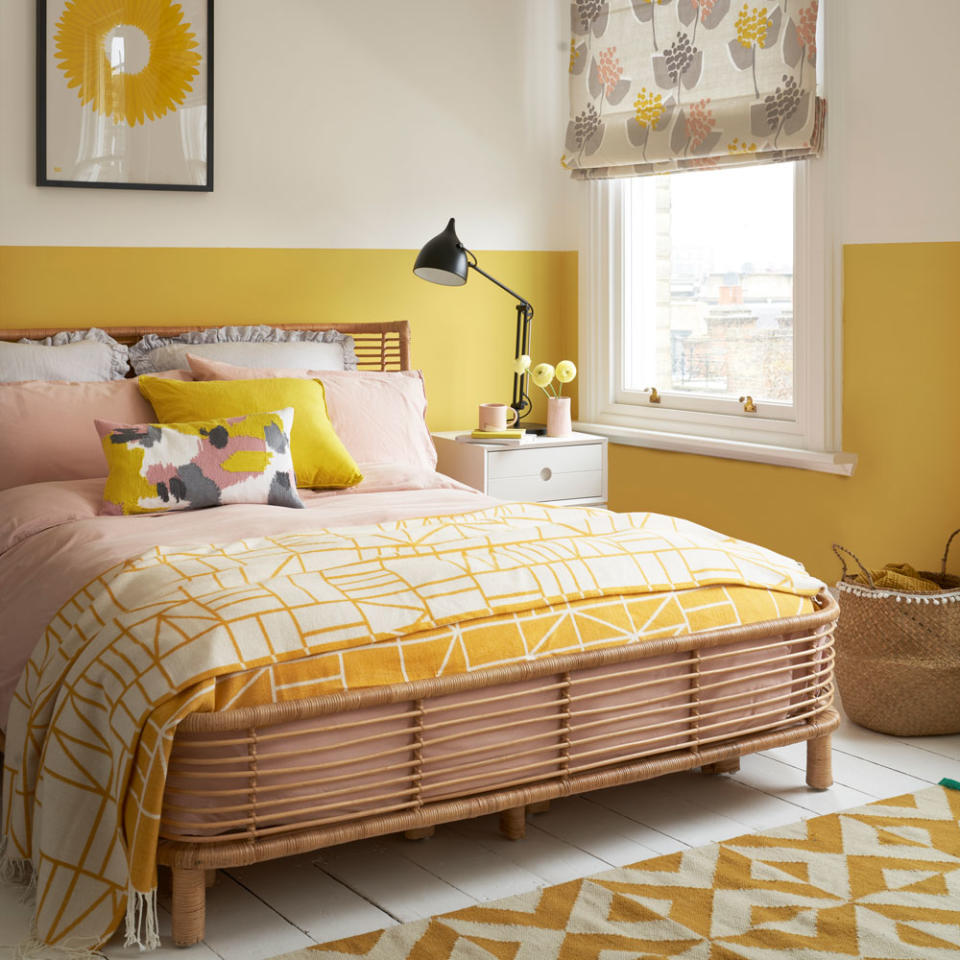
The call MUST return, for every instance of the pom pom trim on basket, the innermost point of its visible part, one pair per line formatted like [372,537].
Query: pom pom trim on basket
[948,596]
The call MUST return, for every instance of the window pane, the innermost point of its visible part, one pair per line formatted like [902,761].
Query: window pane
[710,283]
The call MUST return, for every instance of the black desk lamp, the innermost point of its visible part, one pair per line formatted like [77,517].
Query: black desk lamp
[445,260]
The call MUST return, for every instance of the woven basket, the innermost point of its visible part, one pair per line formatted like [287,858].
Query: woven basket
[898,654]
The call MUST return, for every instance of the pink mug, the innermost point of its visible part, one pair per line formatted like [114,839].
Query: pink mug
[493,416]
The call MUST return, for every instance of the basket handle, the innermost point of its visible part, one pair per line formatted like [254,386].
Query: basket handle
[946,552]
[837,548]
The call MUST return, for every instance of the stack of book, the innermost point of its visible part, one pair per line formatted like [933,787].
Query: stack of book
[511,437]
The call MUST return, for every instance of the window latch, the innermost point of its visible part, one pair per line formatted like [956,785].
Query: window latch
[748,405]
[654,394]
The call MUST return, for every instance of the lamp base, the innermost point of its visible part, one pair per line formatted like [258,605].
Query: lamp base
[536,429]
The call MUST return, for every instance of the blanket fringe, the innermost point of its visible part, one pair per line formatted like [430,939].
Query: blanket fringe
[142,928]
[75,949]
[16,871]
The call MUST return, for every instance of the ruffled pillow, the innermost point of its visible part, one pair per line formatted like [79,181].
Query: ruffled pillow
[254,346]
[185,466]
[77,356]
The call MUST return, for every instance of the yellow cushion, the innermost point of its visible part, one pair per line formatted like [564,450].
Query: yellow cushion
[319,458]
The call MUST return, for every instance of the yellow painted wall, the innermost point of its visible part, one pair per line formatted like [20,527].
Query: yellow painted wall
[901,366]
[901,414]
[463,338]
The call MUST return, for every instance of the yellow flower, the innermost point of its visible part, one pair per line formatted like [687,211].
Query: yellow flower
[737,147]
[160,87]
[752,25]
[542,375]
[566,371]
[521,365]
[648,108]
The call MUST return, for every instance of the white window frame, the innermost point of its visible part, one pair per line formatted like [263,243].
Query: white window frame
[807,437]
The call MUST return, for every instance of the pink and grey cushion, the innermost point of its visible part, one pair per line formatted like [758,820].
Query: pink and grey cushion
[156,467]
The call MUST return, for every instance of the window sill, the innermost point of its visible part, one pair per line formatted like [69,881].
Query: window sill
[823,461]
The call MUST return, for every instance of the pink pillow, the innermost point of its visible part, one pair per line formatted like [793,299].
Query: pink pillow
[48,431]
[380,417]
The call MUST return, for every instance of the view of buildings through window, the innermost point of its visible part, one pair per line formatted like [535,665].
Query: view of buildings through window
[710,310]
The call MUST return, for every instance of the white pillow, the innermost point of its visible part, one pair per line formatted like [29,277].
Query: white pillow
[79,356]
[256,346]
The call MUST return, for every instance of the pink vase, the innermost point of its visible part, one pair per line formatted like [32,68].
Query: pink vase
[558,417]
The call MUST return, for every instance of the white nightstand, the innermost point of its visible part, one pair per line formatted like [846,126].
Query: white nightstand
[562,470]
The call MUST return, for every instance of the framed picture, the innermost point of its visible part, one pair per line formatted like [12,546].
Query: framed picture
[125,94]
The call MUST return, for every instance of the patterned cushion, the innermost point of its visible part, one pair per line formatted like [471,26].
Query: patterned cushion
[184,466]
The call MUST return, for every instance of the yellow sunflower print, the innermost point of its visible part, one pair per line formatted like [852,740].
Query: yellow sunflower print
[166,78]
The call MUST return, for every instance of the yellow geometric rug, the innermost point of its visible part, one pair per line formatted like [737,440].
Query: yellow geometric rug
[879,881]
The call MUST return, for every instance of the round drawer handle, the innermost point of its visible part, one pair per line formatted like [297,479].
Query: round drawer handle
[546,473]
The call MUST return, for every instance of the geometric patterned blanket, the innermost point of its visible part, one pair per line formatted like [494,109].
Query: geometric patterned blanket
[180,630]
[879,881]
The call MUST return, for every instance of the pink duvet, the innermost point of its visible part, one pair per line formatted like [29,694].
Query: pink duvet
[52,540]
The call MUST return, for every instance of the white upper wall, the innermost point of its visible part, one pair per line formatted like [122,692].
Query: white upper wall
[899,121]
[336,124]
[367,124]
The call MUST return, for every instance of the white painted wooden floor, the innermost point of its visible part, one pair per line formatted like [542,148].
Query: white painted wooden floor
[268,909]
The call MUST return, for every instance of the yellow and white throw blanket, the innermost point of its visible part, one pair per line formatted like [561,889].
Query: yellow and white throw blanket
[181,630]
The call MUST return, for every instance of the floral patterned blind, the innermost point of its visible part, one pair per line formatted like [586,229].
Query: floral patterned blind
[664,85]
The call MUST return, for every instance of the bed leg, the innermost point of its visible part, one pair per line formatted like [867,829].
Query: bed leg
[721,766]
[542,806]
[421,833]
[189,905]
[513,823]
[820,763]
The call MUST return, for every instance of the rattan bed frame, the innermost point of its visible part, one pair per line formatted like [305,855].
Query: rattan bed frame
[556,743]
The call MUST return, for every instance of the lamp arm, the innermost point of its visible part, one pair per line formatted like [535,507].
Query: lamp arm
[502,286]
[521,399]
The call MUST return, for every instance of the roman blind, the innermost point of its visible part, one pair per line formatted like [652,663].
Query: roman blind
[664,85]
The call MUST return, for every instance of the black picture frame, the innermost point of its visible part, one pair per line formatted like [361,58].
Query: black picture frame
[43,139]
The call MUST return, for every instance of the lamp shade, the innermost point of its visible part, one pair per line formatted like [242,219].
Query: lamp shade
[443,259]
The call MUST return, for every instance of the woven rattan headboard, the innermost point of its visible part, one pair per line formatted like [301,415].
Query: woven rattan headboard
[380,346]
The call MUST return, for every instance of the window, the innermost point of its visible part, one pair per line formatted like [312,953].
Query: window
[708,283]
[707,287]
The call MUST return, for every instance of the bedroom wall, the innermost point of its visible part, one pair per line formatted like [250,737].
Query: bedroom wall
[899,221]
[346,135]
[901,344]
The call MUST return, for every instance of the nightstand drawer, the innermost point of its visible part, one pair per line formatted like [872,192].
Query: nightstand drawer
[548,469]
[529,461]
[551,473]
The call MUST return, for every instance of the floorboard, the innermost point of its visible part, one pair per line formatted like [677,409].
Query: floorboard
[263,910]
[395,883]
[678,818]
[241,926]
[310,899]
[547,857]
[470,867]
[584,823]
[780,779]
